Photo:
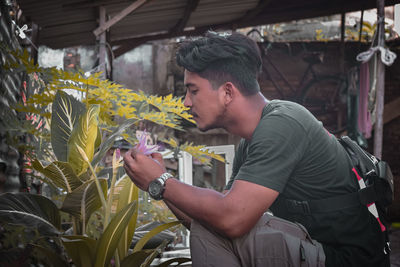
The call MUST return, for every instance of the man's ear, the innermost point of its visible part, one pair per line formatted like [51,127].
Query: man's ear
[230,92]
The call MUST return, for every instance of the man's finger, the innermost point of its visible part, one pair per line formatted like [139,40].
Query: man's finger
[128,170]
[157,156]
[136,152]
[133,152]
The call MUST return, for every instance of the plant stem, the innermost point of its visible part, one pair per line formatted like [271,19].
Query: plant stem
[116,258]
[110,196]
[99,190]
[87,95]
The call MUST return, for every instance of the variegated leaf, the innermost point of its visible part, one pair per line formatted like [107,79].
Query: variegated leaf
[84,200]
[84,135]
[31,211]
[66,111]
[59,173]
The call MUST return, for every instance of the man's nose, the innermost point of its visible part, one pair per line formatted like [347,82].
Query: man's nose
[187,102]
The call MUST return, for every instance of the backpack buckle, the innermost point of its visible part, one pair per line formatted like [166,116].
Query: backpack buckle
[387,248]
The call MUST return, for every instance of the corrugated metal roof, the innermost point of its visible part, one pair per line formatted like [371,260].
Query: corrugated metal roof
[65,23]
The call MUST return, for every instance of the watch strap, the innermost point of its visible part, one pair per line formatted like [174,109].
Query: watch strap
[164,177]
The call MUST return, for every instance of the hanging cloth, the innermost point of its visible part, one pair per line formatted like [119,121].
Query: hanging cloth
[387,56]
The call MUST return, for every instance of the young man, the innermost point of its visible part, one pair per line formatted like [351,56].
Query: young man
[286,162]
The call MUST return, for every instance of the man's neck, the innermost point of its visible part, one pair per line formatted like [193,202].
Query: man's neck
[245,115]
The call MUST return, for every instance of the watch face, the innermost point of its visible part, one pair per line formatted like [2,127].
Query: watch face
[155,189]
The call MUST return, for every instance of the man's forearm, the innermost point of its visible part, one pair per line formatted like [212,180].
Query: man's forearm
[199,204]
[186,220]
[231,214]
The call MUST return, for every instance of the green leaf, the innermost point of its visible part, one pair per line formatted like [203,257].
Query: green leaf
[153,255]
[110,238]
[33,211]
[66,111]
[49,257]
[84,200]
[153,232]
[177,260]
[136,259]
[84,135]
[60,174]
[98,142]
[109,141]
[81,249]
[126,192]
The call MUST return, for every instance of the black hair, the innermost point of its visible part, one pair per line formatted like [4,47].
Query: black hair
[223,58]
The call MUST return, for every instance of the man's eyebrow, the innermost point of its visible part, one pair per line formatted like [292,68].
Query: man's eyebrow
[188,85]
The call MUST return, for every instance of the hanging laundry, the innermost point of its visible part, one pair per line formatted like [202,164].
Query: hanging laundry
[364,116]
[353,106]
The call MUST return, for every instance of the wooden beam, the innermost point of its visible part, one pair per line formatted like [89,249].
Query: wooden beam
[392,110]
[122,49]
[119,16]
[91,4]
[190,7]
[128,44]
[255,11]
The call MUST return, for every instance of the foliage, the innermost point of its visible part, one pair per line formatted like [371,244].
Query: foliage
[114,99]
[367,33]
[200,152]
[81,131]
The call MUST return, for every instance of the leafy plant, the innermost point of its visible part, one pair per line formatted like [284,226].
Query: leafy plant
[82,131]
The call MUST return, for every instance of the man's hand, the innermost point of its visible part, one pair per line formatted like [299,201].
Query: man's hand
[143,169]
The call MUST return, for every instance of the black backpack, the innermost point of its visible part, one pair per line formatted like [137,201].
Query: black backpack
[376,176]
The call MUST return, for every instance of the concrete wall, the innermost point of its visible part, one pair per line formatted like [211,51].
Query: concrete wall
[134,69]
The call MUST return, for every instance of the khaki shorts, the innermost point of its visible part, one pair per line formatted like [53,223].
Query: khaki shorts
[272,242]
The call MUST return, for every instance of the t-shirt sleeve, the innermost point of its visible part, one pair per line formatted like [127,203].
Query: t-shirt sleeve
[277,146]
[237,162]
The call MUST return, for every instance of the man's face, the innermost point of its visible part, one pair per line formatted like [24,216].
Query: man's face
[205,103]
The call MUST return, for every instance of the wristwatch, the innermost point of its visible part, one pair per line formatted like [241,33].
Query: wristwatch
[157,186]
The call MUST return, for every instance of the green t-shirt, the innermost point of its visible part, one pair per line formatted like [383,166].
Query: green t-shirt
[292,153]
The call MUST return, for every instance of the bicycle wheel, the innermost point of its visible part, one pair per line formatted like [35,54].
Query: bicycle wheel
[322,97]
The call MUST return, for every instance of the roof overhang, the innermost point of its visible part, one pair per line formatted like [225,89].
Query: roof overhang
[66,23]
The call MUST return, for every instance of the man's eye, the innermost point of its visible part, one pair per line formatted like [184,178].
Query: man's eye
[193,92]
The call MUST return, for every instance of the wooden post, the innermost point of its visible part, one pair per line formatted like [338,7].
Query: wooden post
[342,107]
[102,43]
[380,82]
[342,41]
[361,26]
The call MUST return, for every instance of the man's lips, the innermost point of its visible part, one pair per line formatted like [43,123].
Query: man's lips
[193,114]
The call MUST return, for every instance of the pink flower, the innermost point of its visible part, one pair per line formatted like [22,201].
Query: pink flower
[142,145]
[117,153]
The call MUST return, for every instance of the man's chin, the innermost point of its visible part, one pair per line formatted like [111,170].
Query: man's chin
[206,128]
[203,129]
